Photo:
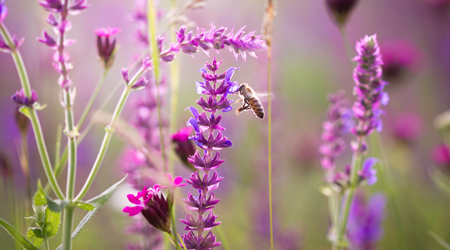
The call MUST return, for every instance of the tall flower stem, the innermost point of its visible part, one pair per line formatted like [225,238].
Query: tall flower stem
[347,47]
[109,131]
[151,20]
[92,98]
[269,135]
[61,165]
[355,166]
[67,227]
[18,61]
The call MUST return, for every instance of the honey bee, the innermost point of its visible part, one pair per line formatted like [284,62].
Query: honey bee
[251,101]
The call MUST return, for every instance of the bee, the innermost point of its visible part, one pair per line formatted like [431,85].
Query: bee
[251,101]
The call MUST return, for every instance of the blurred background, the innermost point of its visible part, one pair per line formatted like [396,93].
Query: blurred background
[309,61]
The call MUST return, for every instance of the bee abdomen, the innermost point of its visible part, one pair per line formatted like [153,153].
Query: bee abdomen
[257,107]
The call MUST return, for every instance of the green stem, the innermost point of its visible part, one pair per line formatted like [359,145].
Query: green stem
[72,133]
[151,21]
[174,86]
[223,237]
[67,227]
[46,245]
[269,135]
[58,145]
[32,113]
[355,166]
[92,98]
[109,131]
[347,47]
[174,227]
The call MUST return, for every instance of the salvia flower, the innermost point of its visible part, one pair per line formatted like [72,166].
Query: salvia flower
[369,91]
[52,5]
[16,42]
[153,205]
[337,124]
[106,47]
[183,146]
[21,99]
[3,10]
[365,221]
[341,9]
[216,86]
[368,173]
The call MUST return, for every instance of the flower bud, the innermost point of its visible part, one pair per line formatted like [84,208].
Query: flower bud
[340,9]
[106,48]
[22,122]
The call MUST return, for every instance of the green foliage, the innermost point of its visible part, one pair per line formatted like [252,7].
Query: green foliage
[56,205]
[20,239]
[52,222]
[442,181]
[439,240]
[85,206]
[40,196]
[80,226]
[35,236]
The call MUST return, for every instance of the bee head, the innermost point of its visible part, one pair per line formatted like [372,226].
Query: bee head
[242,88]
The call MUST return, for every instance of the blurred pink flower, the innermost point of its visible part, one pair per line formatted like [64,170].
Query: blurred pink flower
[107,32]
[407,127]
[399,57]
[441,155]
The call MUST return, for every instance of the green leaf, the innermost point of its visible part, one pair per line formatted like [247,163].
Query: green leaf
[101,199]
[439,240]
[26,111]
[35,237]
[38,106]
[80,226]
[52,222]
[56,205]
[17,236]
[39,196]
[85,206]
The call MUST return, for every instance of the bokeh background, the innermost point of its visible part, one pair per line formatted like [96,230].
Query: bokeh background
[309,61]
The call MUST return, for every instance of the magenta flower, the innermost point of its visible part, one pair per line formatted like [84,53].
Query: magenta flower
[48,40]
[154,206]
[106,47]
[183,146]
[399,57]
[177,182]
[407,127]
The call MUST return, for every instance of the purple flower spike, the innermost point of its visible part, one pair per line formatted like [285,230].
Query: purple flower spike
[21,99]
[208,136]
[3,10]
[52,20]
[105,46]
[369,90]
[48,40]
[77,6]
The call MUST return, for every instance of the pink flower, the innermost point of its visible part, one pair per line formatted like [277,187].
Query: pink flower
[107,31]
[146,195]
[176,182]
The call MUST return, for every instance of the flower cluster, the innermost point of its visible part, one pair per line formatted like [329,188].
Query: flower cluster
[21,99]
[364,225]
[153,205]
[216,86]
[369,91]
[338,122]
[60,27]
[183,146]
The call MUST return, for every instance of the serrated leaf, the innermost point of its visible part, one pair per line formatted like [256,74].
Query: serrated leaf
[39,196]
[85,206]
[80,226]
[35,237]
[52,222]
[439,240]
[56,205]
[101,199]
[17,236]
[25,110]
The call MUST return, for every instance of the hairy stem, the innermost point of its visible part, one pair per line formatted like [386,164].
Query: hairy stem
[67,227]
[151,21]
[18,61]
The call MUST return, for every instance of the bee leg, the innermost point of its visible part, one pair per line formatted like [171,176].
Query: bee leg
[244,107]
[240,100]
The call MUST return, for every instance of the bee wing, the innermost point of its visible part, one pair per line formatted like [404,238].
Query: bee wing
[264,96]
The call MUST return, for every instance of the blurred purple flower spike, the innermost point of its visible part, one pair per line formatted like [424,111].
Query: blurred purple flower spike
[48,40]
[365,221]
[77,6]
[21,99]
[441,155]
[55,6]
[3,10]
[368,173]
